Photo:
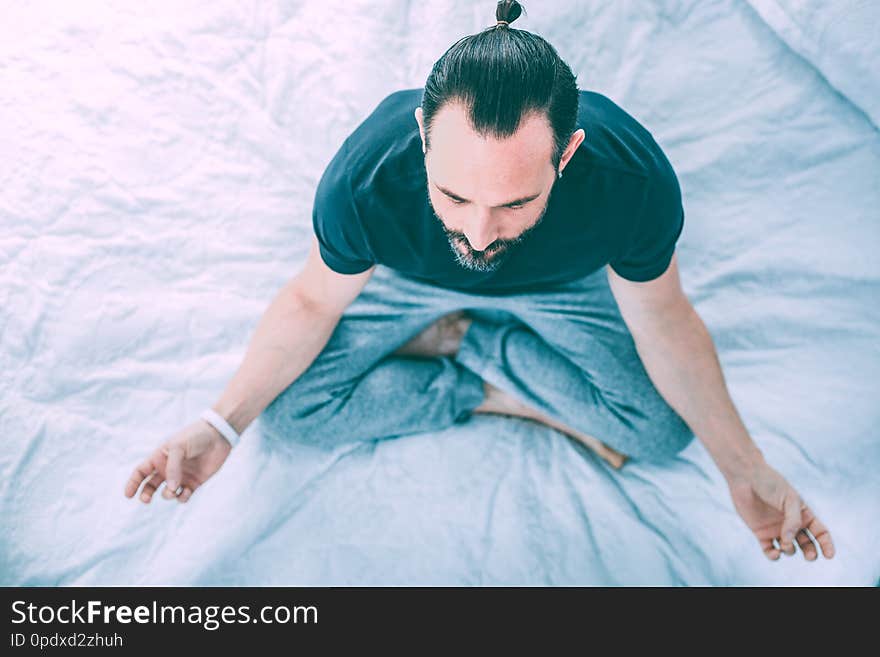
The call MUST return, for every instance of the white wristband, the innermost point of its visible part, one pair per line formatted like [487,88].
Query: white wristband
[213,418]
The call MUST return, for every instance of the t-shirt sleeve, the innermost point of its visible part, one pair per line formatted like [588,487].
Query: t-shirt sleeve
[336,220]
[648,251]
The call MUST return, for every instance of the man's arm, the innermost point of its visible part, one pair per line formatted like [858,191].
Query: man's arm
[679,356]
[291,333]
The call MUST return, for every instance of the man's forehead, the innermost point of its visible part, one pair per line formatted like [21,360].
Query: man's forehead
[452,131]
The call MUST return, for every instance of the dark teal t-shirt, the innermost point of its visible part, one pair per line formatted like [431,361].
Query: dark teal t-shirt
[618,202]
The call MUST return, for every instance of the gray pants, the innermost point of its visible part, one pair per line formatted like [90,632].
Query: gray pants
[564,351]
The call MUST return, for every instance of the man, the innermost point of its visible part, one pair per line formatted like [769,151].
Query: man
[500,241]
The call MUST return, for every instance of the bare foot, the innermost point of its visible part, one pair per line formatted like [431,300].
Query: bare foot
[442,338]
[498,401]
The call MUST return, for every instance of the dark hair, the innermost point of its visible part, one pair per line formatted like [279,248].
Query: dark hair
[499,75]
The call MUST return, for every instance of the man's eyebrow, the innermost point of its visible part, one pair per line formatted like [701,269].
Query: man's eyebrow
[519,201]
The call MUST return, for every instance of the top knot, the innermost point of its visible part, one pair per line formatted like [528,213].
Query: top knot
[507,11]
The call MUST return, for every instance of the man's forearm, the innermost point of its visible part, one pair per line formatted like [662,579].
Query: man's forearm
[288,338]
[679,355]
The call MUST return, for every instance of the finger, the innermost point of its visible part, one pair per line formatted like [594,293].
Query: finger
[770,550]
[792,523]
[174,466]
[169,493]
[151,486]
[820,533]
[141,472]
[185,494]
[807,547]
[777,545]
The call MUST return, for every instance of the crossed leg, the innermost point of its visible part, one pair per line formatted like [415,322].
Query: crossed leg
[562,357]
[567,352]
[443,338]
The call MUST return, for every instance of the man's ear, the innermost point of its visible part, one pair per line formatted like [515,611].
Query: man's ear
[418,115]
[574,143]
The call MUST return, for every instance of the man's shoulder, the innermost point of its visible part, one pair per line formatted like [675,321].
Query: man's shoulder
[615,139]
[392,115]
[383,142]
[379,167]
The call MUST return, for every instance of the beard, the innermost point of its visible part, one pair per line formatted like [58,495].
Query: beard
[496,254]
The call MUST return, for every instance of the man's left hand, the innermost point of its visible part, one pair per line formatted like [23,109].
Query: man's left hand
[772,509]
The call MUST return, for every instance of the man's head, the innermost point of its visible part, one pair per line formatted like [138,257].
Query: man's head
[497,123]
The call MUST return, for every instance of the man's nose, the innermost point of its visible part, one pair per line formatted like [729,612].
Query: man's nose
[481,234]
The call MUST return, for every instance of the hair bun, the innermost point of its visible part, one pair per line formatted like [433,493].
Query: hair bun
[508,10]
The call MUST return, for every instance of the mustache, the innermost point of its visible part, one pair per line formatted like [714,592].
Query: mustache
[494,247]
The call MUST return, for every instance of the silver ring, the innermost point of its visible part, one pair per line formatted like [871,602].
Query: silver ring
[179,490]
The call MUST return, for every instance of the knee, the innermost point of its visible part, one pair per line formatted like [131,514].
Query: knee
[678,433]
[661,436]
[293,416]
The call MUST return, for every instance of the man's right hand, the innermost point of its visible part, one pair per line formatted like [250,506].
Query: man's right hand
[187,459]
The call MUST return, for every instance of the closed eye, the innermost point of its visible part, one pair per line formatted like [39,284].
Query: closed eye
[458,201]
